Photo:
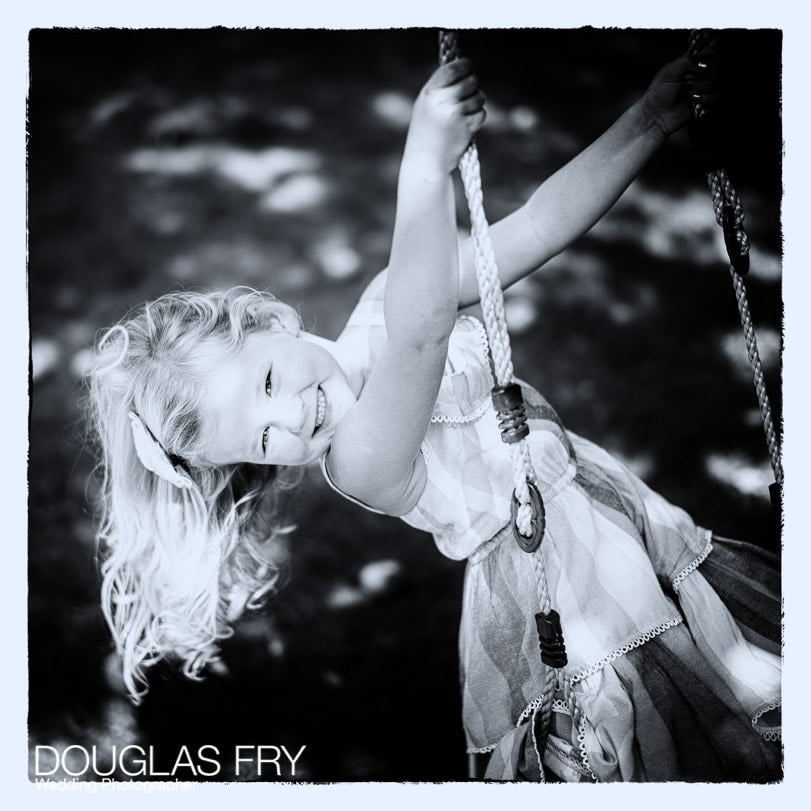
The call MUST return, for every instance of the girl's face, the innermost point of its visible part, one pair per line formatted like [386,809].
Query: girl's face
[276,401]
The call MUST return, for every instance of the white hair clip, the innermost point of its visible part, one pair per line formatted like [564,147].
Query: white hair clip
[153,456]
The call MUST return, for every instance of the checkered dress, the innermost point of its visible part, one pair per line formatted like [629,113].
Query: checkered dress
[672,635]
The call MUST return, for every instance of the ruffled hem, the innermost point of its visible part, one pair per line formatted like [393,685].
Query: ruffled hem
[657,714]
[667,705]
[692,565]
[639,639]
[767,731]
[481,750]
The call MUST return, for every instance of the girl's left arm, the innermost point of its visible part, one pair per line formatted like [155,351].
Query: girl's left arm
[573,199]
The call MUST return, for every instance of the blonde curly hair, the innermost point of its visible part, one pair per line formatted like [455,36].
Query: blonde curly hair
[179,565]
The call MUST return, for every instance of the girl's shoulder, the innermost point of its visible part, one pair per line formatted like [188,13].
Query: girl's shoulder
[368,311]
[365,330]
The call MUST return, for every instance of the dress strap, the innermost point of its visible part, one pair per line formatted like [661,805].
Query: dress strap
[331,483]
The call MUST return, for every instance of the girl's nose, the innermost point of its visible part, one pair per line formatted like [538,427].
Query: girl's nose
[288,413]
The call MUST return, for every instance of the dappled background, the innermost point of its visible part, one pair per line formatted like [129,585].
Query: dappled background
[203,159]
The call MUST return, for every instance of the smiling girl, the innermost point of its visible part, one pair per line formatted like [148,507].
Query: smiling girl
[200,398]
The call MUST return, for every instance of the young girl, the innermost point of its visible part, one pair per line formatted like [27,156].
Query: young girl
[199,400]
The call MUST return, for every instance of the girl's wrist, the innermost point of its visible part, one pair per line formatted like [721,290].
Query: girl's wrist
[424,164]
[649,121]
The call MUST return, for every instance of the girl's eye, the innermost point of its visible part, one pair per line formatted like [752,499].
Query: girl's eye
[268,391]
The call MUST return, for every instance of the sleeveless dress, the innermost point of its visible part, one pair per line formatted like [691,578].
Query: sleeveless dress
[672,635]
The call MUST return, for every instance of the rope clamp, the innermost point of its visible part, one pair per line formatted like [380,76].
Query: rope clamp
[537,522]
[512,413]
[738,258]
[550,637]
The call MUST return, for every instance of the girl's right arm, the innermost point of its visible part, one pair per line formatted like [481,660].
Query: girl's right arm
[375,452]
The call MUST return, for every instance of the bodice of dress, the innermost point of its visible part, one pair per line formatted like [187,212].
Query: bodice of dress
[469,487]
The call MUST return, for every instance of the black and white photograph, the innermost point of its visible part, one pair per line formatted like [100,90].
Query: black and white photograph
[406,405]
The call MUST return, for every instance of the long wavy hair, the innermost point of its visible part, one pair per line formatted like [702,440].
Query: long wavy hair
[179,565]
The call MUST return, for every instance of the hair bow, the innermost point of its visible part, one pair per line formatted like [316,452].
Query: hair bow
[153,456]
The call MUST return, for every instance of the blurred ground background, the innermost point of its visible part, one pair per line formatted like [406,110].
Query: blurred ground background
[268,158]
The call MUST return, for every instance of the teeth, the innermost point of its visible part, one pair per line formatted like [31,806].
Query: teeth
[321,409]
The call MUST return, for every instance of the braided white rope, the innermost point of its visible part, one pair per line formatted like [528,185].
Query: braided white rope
[492,301]
[495,322]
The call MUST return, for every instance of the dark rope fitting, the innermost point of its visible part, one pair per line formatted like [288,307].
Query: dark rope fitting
[550,637]
[512,414]
[737,256]
[537,521]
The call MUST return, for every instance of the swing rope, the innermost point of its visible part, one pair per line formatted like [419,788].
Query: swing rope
[527,510]
[492,299]
[729,215]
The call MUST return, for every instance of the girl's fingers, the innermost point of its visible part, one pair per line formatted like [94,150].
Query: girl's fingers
[708,100]
[700,82]
[472,104]
[475,120]
[451,73]
[703,88]
[465,88]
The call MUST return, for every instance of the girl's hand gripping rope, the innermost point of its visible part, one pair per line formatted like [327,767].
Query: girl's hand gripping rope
[447,114]
[675,89]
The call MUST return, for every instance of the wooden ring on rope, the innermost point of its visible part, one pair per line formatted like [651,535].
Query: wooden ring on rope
[537,522]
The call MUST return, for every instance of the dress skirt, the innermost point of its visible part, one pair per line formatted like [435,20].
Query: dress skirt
[667,707]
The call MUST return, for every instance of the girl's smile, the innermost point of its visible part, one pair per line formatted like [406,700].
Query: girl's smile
[277,400]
